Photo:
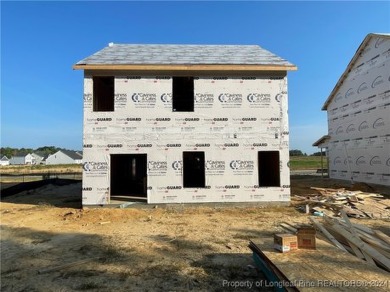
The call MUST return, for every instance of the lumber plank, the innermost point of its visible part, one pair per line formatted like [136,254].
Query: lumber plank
[327,234]
[363,246]
[288,227]
[382,236]
[185,67]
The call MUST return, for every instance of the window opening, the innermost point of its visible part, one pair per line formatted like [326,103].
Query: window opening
[103,93]
[183,94]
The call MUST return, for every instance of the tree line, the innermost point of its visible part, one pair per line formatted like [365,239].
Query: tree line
[43,151]
[296,152]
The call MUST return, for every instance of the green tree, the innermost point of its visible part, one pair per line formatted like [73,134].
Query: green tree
[296,152]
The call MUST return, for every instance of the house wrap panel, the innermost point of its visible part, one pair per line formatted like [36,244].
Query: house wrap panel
[359,118]
[233,119]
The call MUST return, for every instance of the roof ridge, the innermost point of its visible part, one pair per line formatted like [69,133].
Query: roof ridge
[185,54]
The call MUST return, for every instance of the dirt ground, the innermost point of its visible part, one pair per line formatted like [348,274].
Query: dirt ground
[155,248]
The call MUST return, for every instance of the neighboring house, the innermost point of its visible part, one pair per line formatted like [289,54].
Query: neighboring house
[4,161]
[39,158]
[21,159]
[358,108]
[65,157]
[185,124]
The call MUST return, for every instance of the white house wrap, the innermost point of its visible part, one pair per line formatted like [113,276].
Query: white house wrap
[234,141]
[359,116]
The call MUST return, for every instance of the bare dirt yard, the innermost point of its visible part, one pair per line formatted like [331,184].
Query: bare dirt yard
[48,243]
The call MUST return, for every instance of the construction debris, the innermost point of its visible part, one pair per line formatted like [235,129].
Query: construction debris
[355,204]
[313,270]
[370,245]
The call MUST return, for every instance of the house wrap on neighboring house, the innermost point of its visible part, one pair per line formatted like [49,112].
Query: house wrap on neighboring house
[64,157]
[185,124]
[358,108]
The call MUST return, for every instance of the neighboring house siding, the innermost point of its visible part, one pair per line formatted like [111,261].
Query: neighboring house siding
[60,158]
[17,160]
[37,158]
[4,161]
[359,118]
[234,118]
[29,159]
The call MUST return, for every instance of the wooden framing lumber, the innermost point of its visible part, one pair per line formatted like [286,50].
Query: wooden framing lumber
[327,234]
[185,67]
[288,227]
[382,236]
[373,253]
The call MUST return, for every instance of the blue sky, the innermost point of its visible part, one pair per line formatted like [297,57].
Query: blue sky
[41,96]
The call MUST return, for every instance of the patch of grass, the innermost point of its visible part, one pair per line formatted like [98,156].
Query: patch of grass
[307,162]
[25,169]
[44,205]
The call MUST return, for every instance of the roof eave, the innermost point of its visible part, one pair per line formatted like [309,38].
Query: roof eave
[186,67]
[321,140]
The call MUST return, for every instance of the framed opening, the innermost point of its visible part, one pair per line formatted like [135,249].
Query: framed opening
[128,175]
[268,168]
[194,170]
[103,93]
[183,94]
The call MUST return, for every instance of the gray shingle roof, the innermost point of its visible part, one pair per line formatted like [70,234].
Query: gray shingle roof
[72,154]
[131,54]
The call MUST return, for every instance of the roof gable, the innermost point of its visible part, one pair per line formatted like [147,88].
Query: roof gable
[379,38]
[72,154]
[127,55]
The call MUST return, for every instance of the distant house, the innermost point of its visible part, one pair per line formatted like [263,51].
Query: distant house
[65,157]
[22,159]
[39,157]
[358,139]
[4,161]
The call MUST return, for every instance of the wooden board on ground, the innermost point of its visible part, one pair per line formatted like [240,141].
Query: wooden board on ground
[324,268]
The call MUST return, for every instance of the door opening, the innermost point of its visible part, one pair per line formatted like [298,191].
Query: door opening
[128,175]
[268,168]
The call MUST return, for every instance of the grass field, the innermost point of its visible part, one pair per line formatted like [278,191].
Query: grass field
[296,163]
[307,162]
[26,169]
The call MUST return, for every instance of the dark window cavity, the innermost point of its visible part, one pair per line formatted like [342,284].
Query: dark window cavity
[194,170]
[103,93]
[269,168]
[183,94]
[128,175]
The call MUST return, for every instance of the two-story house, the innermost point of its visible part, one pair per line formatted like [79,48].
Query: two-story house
[358,109]
[185,124]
